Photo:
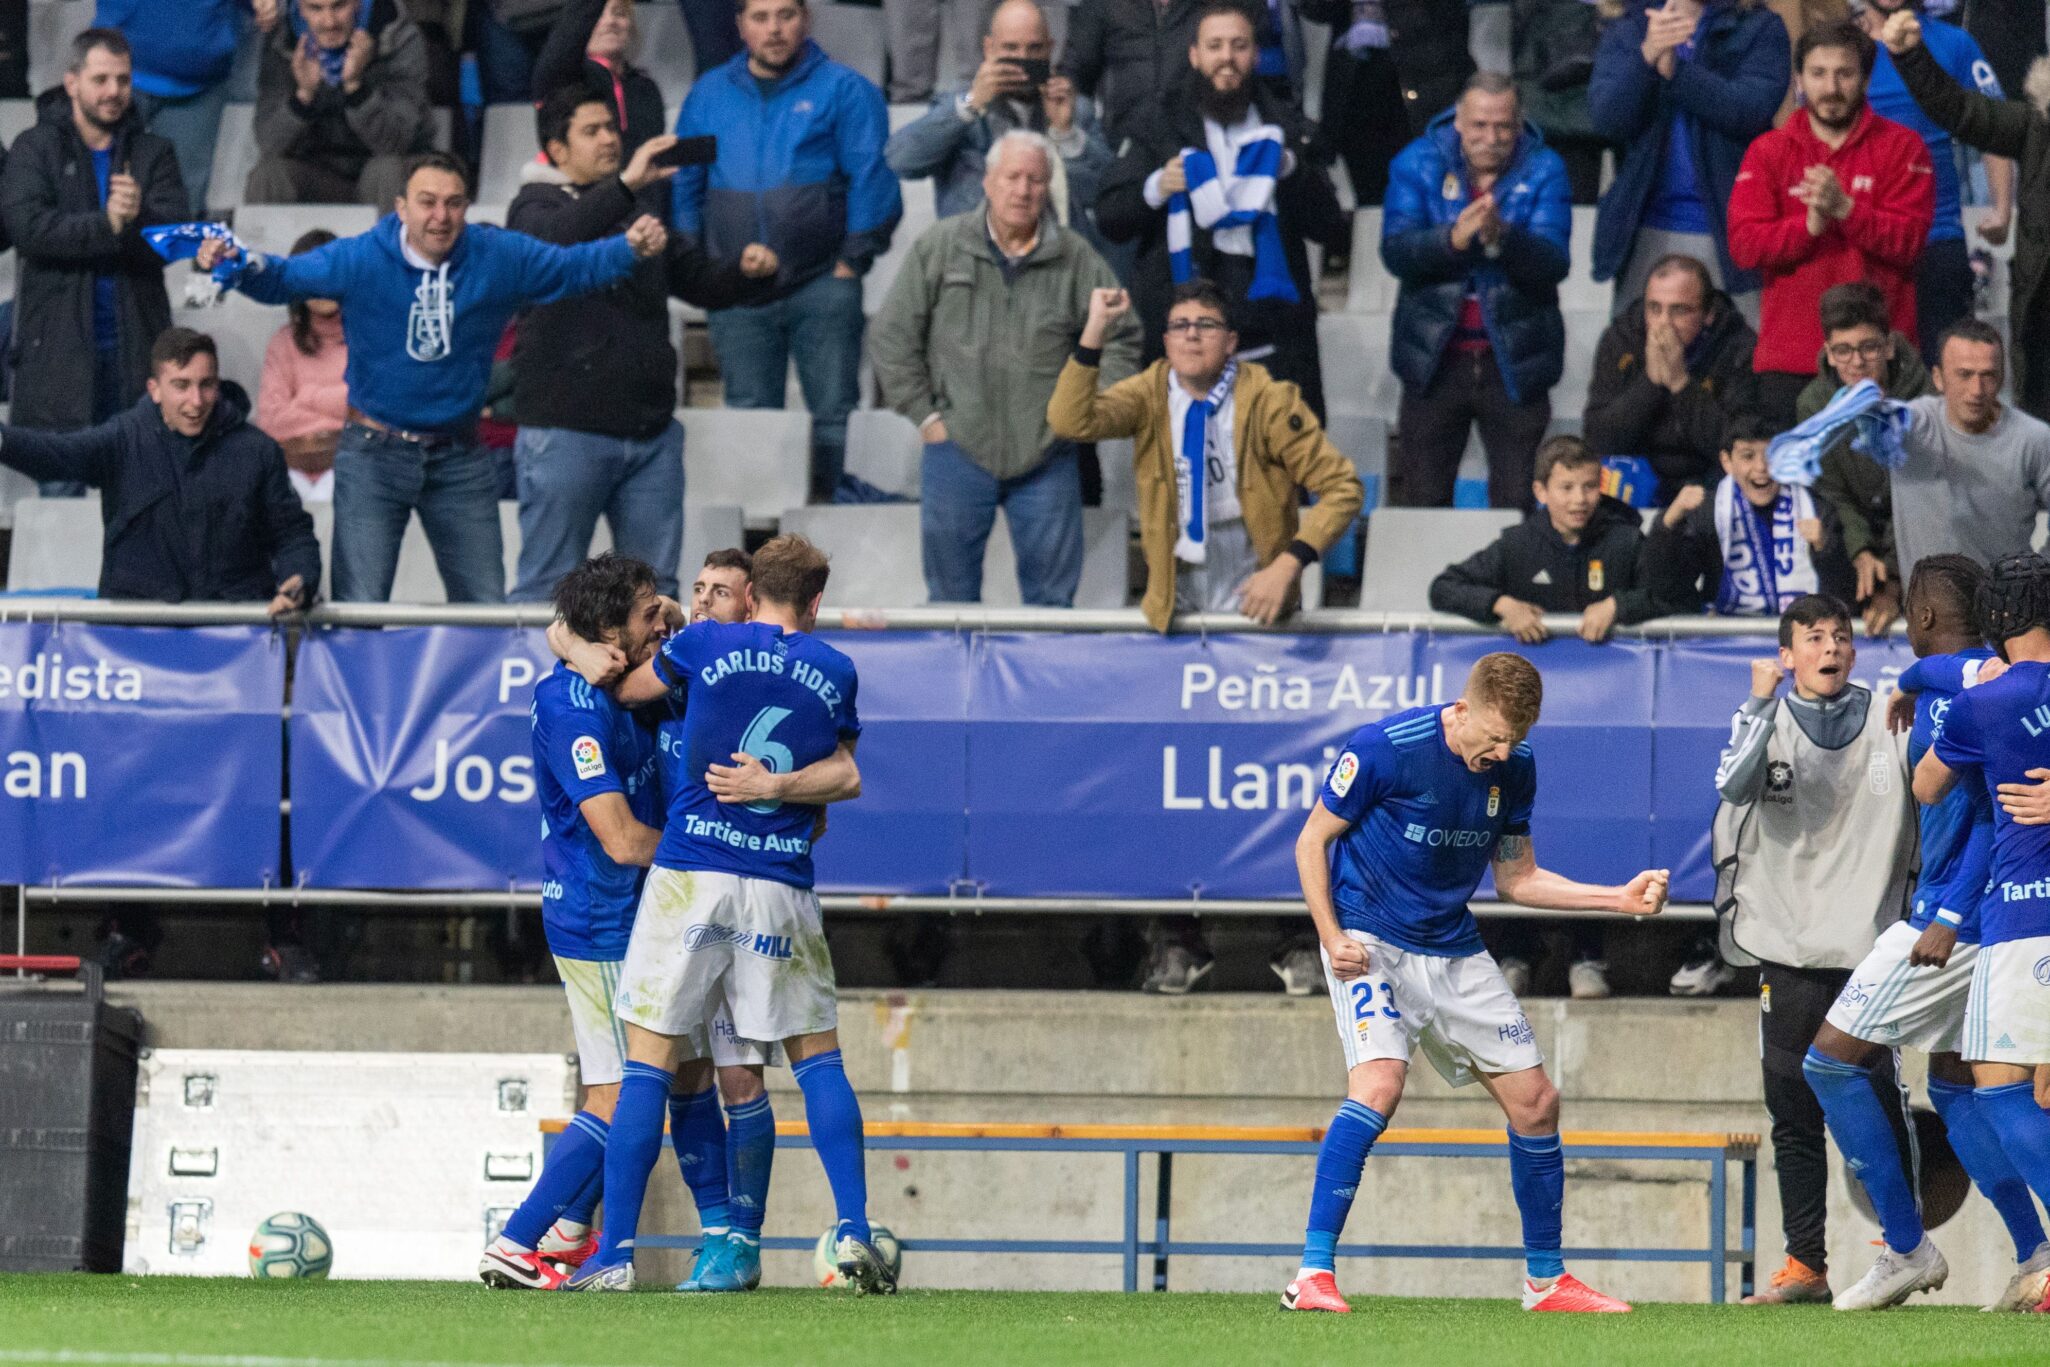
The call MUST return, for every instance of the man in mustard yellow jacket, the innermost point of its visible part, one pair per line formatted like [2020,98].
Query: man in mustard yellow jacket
[1223,452]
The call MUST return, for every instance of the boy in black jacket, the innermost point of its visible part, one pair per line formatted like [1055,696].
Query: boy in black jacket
[1745,545]
[1577,552]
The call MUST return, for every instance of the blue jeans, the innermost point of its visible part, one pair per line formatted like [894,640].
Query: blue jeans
[568,478]
[819,326]
[505,59]
[1044,508]
[191,124]
[380,479]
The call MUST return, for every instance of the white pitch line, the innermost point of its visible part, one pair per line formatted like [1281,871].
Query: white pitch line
[81,1358]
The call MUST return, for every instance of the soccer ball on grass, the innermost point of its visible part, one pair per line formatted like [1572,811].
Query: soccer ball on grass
[290,1244]
[825,1268]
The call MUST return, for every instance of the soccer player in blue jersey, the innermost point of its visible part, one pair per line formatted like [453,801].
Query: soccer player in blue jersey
[1993,736]
[1910,990]
[1417,807]
[728,912]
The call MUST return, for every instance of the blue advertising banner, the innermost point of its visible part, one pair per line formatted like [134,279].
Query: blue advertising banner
[140,756]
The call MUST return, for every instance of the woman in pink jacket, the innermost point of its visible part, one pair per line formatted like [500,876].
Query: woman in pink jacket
[303,401]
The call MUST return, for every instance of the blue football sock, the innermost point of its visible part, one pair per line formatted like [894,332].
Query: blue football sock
[750,1153]
[2024,1130]
[1340,1160]
[1987,1164]
[630,1156]
[1858,1124]
[576,1161]
[584,1209]
[1537,1174]
[700,1139]
[834,1117]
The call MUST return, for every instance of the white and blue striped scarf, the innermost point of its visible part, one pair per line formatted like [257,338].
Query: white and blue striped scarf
[1766,564]
[1237,210]
[1876,424]
[1190,466]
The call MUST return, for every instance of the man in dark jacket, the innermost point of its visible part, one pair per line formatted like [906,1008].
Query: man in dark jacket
[1475,227]
[1683,87]
[1552,57]
[1124,53]
[2019,129]
[78,189]
[341,102]
[1387,78]
[1668,374]
[195,499]
[1857,344]
[1265,277]
[595,385]
[1577,552]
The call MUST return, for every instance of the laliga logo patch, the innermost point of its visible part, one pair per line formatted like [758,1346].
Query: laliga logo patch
[588,758]
[1779,776]
[1344,772]
[2042,970]
[1494,801]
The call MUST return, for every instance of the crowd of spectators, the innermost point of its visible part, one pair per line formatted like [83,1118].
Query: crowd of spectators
[1137,217]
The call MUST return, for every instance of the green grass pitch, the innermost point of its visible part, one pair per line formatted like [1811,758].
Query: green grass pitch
[177,1322]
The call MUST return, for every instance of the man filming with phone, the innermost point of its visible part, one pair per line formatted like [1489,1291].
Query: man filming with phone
[595,391]
[1014,88]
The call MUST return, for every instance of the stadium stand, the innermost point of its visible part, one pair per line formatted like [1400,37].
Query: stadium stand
[56,545]
[1407,547]
[875,551]
[851,35]
[773,476]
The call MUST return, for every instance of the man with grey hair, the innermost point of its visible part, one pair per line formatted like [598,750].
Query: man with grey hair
[1013,88]
[974,367]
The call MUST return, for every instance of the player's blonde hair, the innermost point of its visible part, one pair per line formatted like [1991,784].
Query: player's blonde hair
[790,570]
[1509,684]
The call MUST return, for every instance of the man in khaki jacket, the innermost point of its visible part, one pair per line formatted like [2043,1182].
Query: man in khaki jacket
[1223,452]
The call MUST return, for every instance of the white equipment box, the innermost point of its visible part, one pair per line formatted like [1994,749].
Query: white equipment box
[412,1162]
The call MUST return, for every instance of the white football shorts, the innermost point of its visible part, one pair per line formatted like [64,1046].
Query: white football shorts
[1892,1002]
[1460,1011]
[703,938]
[2007,1019]
[592,984]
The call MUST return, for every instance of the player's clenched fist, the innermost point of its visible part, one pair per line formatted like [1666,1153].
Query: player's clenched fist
[1105,307]
[1901,31]
[1765,678]
[1645,895]
[1348,957]
[647,236]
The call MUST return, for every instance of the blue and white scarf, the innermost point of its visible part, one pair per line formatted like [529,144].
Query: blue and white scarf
[1875,422]
[1237,210]
[1766,564]
[180,242]
[1189,466]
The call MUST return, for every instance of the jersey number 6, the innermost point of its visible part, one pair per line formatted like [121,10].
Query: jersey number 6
[774,755]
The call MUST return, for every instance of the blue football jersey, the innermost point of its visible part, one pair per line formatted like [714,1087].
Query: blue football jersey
[1995,734]
[1423,828]
[1957,52]
[585,744]
[1957,833]
[784,697]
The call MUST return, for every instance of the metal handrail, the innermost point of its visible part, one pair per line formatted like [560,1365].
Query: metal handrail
[964,617]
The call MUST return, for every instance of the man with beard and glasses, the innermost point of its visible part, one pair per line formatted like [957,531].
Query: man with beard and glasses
[1837,194]
[799,169]
[1217,183]
[79,189]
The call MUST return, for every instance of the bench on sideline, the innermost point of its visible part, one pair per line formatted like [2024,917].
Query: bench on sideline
[1717,1150]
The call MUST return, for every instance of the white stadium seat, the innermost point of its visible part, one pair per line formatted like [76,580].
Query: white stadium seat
[664,50]
[509,144]
[14,487]
[901,114]
[707,527]
[51,27]
[920,213]
[852,35]
[884,448]
[1120,482]
[16,118]
[1407,547]
[757,458]
[1363,437]
[241,329]
[1580,290]
[274,228]
[1354,356]
[877,561]
[56,544]
[1371,289]
[234,155]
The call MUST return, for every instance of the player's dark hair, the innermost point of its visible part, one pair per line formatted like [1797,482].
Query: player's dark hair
[1509,684]
[597,597]
[1212,8]
[1837,33]
[1200,291]
[1563,452]
[554,115]
[1747,426]
[97,39]
[1976,330]
[435,161]
[1950,584]
[1812,609]
[177,346]
[1855,303]
[731,558]
[790,572]
[2015,598]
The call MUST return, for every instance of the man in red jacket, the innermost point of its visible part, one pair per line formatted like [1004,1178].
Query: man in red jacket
[1836,194]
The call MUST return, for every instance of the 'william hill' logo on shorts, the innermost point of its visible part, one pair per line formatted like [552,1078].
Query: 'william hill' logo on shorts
[707,936]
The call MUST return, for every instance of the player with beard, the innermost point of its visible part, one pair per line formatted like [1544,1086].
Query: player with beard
[1836,194]
[1217,182]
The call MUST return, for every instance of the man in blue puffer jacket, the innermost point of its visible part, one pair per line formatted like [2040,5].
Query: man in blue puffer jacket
[800,169]
[1682,87]
[1475,225]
